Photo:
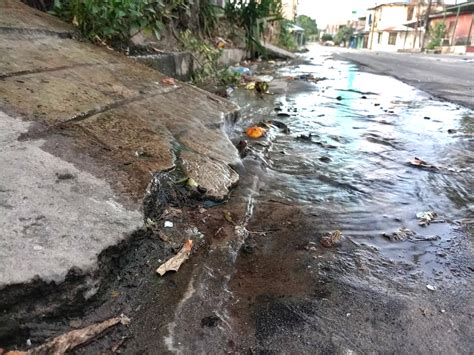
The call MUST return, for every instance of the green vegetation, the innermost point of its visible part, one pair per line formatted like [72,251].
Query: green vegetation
[249,15]
[207,56]
[112,20]
[286,38]
[115,21]
[437,34]
[343,36]
[326,37]
[309,25]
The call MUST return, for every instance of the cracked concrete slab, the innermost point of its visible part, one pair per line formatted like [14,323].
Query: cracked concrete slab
[82,131]
[53,216]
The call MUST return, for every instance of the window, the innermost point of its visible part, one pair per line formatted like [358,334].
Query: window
[379,38]
[392,38]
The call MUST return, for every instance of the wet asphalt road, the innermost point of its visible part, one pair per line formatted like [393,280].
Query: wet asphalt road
[449,77]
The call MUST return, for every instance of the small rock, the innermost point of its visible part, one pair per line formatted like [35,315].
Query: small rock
[427,118]
[451,131]
[339,98]
[325,159]
[363,97]
[210,321]
[431,288]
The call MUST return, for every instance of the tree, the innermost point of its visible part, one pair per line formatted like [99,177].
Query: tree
[326,37]
[308,24]
[344,35]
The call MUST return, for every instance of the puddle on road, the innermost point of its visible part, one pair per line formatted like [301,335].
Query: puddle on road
[353,174]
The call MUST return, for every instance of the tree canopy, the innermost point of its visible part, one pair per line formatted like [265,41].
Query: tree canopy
[309,25]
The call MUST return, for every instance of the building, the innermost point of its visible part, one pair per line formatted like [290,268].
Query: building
[360,38]
[397,26]
[289,8]
[459,28]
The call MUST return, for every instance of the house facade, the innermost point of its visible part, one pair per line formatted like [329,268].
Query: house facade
[387,25]
[459,24]
[289,8]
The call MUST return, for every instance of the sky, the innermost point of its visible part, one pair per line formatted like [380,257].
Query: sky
[333,11]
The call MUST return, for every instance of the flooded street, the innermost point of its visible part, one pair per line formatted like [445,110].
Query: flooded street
[267,285]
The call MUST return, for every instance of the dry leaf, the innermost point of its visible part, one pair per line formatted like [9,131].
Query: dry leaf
[228,217]
[421,164]
[168,81]
[331,239]
[175,262]
[68,341]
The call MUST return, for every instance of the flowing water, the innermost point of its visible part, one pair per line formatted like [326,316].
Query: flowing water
[343,165]
[353,174]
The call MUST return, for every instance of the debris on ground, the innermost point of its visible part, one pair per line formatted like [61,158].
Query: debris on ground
[228,217]
[240,70]
[261,87]
[171,212]
[250,86]
[255,132]
[168,224]
[403,234]
[243,148]
[421,164]
[431,287]
[74,338]
[168,81]
[400,235]
[331,239]
[175,262]
[264,78]
[425,218]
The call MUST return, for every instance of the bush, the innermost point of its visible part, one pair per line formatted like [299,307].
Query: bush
[437,34]
[326,37]
[111,20]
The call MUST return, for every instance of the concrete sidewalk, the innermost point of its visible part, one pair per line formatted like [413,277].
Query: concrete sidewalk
[82,131]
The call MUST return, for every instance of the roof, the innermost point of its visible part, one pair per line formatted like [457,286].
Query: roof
[390,4]
[296,28]
[399,28]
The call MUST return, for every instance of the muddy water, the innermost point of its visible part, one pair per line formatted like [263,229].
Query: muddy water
[353,174]
[267,285]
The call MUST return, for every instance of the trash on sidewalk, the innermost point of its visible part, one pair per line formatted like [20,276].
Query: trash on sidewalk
[329,240]
[400,235]
[422,164]
[425,218]
[240,70]
[255,132]
[74,338]
[261,87]
[250,86]
[168,81]
[264,78]
[175,262]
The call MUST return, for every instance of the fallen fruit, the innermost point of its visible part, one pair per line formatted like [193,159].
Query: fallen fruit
[255,132]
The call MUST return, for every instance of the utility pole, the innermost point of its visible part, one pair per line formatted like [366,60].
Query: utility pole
[427,24]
